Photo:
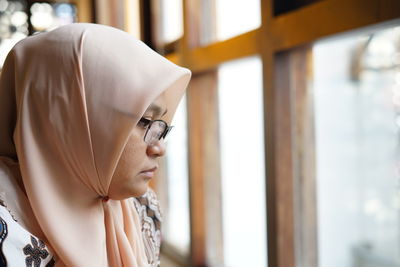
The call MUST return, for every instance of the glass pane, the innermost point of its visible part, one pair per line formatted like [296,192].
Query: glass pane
[132,17]
[242,163]
[13,25]
[46,17]
[176,217]
[357,113]
[235,17]
[172,26]
[284,6]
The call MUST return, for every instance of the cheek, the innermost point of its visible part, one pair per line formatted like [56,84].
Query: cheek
[128,168]
[132,157]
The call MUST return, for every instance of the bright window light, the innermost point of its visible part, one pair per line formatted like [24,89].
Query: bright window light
[242,163]
[177,219]
[235,17]
[172,24]
[356,89]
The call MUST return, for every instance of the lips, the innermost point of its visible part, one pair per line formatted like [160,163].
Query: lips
[149,173]
[150,170]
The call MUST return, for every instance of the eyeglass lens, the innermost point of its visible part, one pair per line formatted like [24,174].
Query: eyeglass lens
[155,131]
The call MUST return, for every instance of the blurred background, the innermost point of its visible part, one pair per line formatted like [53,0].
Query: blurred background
[286,146]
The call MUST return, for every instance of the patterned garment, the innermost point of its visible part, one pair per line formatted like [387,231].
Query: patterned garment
[3,235]
[148,209]
[19,248]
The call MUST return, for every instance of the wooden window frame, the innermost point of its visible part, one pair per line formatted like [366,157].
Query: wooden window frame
[290,31]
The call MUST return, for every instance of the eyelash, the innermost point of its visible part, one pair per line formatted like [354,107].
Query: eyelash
[144,122]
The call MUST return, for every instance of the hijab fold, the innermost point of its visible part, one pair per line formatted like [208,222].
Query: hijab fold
[69,100]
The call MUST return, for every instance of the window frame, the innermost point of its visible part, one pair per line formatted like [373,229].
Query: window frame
[278,35]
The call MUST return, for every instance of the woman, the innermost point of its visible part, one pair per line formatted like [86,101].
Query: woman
[83,111]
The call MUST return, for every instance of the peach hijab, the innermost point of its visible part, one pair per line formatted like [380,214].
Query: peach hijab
[68,102]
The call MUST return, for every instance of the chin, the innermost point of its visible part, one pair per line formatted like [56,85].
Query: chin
[138,192]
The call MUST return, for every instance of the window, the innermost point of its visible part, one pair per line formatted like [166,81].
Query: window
[284,6]
[242,163]
[14,21]
[236,17]
[356,90]
[176,214]
[226,43]
[46,17]
[13,26]
[172,23]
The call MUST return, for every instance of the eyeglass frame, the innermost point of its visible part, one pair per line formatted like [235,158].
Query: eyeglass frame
[148,124]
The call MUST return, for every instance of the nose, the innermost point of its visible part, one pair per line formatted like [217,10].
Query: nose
[157,149]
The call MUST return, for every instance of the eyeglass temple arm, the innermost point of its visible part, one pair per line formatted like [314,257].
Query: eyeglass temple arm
[167,130]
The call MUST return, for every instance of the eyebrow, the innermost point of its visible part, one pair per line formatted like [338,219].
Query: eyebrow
[157,110]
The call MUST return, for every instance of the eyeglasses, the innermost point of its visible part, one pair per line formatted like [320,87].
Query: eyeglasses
[155,130]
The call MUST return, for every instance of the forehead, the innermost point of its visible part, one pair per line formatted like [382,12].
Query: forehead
[160,101]
[159,105]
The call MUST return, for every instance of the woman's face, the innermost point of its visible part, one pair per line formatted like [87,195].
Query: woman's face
[138,162]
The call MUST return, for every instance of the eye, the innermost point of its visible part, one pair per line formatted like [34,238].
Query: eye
[143,122]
